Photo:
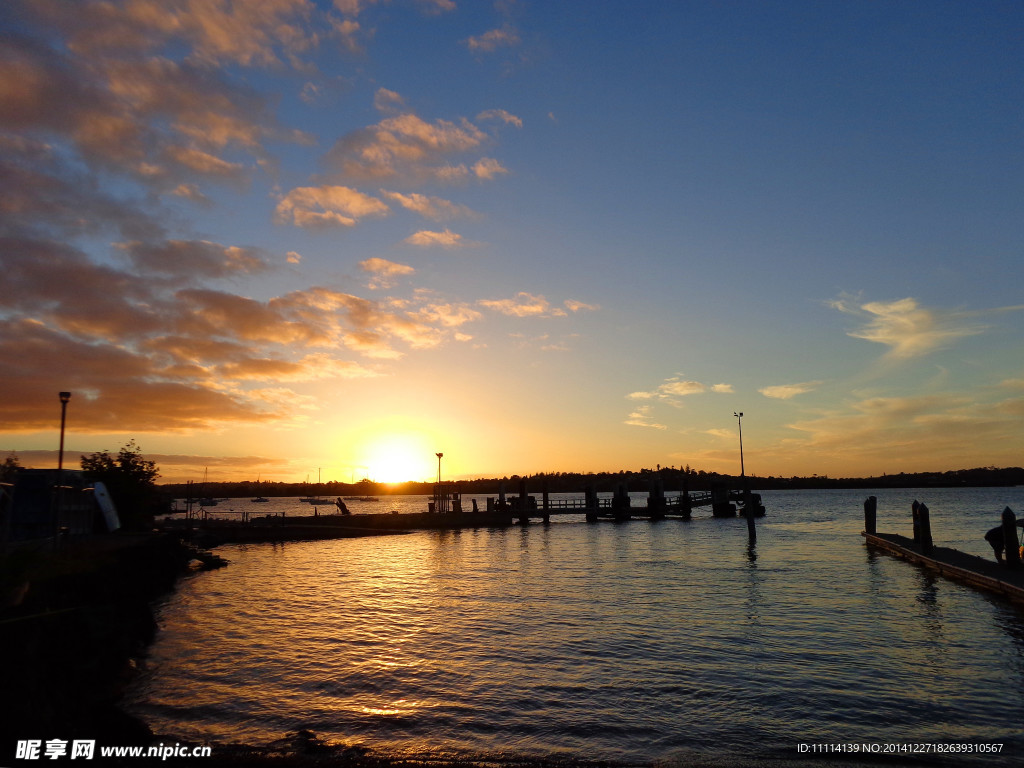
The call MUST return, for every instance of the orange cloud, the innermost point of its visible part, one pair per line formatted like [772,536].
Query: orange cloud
[523,305]
[435,208]
[384,271]
[425,239]
[328,206]
[406,147]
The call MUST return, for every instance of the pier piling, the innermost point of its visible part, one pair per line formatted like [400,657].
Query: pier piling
[922,528]
[1010,542]
[748,511]
[870,514]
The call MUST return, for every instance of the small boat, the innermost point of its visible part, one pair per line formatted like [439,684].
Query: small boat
[206,501]
[313,499]
[258,499]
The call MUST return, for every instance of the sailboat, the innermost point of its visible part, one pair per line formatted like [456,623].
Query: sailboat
[313,499]
[206,501]
[259,496]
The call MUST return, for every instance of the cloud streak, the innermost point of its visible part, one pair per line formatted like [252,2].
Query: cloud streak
[789,391]
[907,328]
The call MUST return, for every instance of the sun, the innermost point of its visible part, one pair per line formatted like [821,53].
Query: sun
[395,458]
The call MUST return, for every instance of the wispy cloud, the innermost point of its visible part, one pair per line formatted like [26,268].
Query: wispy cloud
[787,391]
[502,37]
[641,417]
[435,208]
[384,271]
[523,305]
[328,206]
[908,329]
[676,387]
[387,101]
[580,306]
[407,148]
[502,116]
[487,168]
[426,239]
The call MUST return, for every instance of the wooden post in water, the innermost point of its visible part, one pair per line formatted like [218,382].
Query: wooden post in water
[591,503]
[1010,538]
[620,502]
[870,514]
[748,510]
[924,529]
[656,499]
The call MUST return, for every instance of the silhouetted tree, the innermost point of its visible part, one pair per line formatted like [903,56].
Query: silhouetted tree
[131,480]
[9,469]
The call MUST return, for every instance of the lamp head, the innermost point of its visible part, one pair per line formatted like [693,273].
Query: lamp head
[64,397]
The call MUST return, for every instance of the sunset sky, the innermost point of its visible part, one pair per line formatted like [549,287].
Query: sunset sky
[277,237]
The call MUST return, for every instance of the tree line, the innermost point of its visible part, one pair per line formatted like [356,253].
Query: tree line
[673,479]
[131,480]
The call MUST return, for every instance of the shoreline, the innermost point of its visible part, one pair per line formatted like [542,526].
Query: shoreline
[74,628]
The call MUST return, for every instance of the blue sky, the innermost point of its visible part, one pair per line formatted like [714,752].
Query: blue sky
[271,237]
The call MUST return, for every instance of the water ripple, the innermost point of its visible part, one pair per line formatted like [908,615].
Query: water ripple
[631,642]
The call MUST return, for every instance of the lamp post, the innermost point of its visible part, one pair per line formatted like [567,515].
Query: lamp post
[439,467]
[739,420]
[64,397]
[58,501]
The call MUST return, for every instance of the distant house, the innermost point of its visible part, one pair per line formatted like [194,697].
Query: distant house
[36,508]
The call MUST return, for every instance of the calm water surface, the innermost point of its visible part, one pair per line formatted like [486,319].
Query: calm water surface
[635,642]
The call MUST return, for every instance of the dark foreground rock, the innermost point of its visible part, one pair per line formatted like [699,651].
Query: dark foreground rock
[72,626]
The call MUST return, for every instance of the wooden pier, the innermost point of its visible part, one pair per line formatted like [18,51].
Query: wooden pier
[446,512]
[1005,579]
[723,503]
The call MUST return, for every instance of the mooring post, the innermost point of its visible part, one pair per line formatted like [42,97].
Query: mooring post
[590,504]
[656,499]
[1010,541]
[870,514]
[917,528]
[924,527]
[748,510]
[544,491]
[620,502]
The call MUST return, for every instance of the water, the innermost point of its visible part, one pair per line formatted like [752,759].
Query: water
[633,642]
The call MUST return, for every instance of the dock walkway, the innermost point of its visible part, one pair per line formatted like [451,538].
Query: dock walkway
[956,565]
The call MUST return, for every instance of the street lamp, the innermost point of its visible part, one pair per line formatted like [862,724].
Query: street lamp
[58,501]
[439,467]
[739,420]
[64,397]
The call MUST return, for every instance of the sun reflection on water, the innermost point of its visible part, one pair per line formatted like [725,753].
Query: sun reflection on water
[597,640]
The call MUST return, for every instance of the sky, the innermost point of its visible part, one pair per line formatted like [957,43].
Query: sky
[290,239]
